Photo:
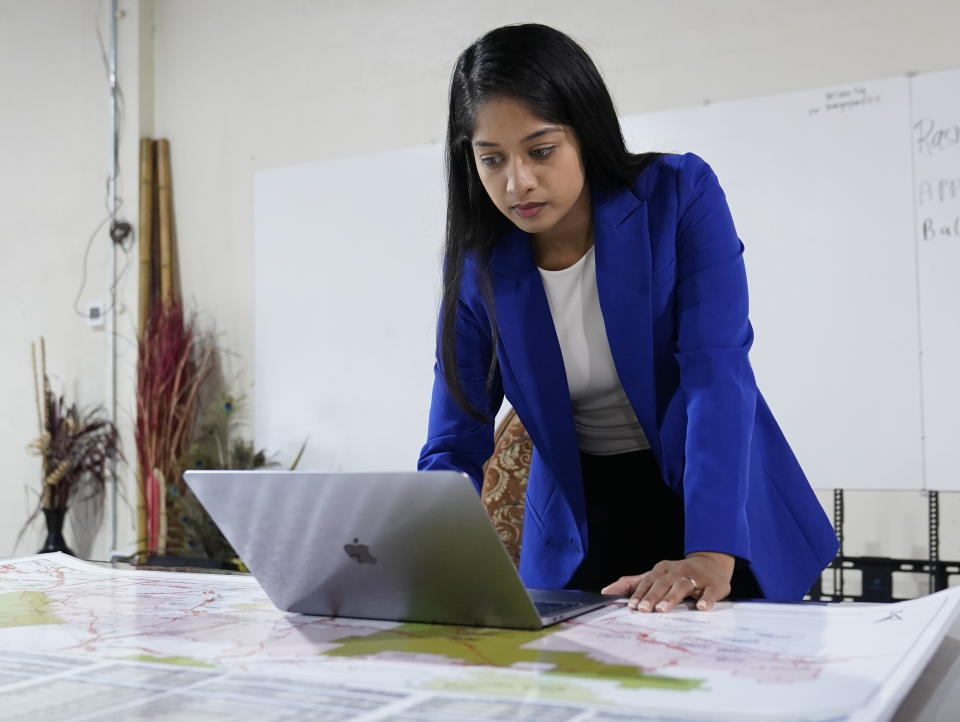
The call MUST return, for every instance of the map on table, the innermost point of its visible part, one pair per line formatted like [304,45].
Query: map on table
[84,641]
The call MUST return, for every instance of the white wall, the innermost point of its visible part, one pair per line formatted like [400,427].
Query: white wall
[320,80]
[239,85]
[53,168]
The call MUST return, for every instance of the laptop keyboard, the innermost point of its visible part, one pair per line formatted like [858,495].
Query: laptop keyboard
[548,609]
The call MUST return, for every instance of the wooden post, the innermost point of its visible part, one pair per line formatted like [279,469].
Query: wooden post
[165,225]
[147,202]
[147,183]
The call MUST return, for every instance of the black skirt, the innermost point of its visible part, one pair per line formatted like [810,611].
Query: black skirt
[635,520]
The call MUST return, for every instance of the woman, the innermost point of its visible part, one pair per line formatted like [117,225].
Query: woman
[604,293]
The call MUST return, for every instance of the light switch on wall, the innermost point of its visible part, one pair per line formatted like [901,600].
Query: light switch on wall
[95,314]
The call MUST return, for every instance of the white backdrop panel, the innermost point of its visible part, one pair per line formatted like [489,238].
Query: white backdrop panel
[819,186]
[347,258]
[936,148]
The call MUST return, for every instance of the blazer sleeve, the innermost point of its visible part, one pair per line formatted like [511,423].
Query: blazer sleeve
[714,336]
[455,440]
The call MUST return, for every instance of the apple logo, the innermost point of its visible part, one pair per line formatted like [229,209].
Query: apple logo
[360,553]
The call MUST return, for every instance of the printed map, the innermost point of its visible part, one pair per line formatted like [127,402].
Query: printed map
[84,641]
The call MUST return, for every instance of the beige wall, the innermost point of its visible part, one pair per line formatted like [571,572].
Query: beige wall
[53,168]
[239,85]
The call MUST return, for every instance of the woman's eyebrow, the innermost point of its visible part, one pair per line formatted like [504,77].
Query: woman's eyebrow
[535,134]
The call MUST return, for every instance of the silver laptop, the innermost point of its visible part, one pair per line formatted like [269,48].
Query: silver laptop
[415,547]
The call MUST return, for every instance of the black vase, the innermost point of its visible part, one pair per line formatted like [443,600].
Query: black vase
[55,541]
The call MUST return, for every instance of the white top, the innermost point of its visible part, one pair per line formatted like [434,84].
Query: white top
[605,421]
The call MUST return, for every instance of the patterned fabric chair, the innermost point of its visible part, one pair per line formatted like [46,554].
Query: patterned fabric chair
[505,481]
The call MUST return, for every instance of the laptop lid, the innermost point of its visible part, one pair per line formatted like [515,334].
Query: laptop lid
[407,546]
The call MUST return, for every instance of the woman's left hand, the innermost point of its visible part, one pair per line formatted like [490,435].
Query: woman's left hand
[705,576]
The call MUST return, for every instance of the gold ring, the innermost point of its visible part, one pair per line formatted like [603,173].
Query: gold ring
[693,582]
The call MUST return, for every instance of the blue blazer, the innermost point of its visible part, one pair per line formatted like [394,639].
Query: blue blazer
[673,293]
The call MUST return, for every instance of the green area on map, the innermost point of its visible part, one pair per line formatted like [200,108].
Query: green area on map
[499,648]
[179,661]
[22,609]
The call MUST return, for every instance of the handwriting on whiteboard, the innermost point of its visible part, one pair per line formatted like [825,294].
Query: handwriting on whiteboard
[932,138]
[937,153]
[844,100]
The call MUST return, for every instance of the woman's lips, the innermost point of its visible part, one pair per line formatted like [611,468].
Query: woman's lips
[528,210]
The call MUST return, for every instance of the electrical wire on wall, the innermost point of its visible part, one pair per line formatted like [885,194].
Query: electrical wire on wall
[120,234]
[121,231]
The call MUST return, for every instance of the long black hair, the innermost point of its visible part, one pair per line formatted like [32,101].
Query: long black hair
[559,83]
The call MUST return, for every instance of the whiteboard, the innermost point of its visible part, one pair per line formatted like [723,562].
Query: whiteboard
[821,185]
[347,258]
[936,151]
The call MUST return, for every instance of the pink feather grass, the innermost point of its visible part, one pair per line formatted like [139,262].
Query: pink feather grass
[170,371]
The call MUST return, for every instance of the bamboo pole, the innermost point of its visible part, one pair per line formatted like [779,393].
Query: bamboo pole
[165,225]
[167,295]
[146,230]
[147,202]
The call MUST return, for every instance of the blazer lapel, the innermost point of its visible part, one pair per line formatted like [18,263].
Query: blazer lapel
[529,341]
[623,261]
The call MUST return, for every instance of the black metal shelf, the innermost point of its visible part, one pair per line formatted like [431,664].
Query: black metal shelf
[877,572]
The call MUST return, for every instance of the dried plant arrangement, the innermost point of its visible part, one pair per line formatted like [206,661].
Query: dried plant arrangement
[173,365]
[215,445]
[193,534]
[74,446]
[171,368]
